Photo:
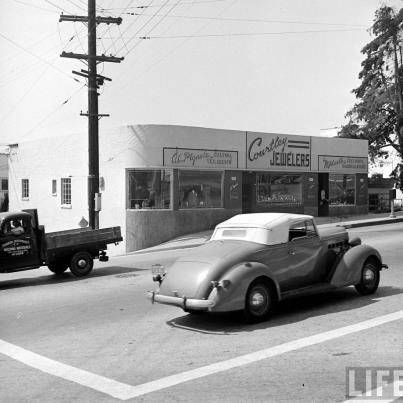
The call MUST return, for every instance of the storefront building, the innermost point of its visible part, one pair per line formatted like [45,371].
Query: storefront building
[3,181]
[159,182]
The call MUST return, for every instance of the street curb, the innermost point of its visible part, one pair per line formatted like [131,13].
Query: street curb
[371,223]
[356,224]
[169,248]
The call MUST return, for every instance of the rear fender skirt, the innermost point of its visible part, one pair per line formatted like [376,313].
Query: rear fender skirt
[348,270]
[240,277]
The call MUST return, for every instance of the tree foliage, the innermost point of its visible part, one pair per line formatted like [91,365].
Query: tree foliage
[379,108]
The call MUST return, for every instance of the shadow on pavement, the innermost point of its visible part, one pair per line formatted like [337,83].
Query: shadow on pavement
[288,312]
[67,277]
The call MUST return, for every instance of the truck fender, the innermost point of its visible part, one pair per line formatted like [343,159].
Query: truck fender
[232,297]
[348,270]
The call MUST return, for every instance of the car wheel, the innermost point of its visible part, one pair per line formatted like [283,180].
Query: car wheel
[369,278]
[58,267]
[81,264]
[259,302]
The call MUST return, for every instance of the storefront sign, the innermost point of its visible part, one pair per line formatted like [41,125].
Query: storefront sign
[195,158]
[278,152]
[342,164]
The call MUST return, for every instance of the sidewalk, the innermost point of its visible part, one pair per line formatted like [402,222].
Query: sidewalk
[197,239]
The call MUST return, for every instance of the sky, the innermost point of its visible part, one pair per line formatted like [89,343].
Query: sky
[285,66]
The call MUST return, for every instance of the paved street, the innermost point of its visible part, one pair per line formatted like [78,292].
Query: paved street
[104,325]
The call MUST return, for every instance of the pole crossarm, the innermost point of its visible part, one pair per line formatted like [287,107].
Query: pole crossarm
[100,78]
[82,18]
[99,115]
[102,58]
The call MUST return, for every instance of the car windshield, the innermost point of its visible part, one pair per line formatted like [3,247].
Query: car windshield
[251,234]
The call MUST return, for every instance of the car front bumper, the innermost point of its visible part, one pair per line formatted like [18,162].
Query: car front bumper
[182,302]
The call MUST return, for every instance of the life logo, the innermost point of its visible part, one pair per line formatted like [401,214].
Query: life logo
[374,383]
[16,247]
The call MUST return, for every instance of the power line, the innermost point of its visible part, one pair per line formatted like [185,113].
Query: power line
[257,20]
[172,51]
[127,28]
[52,112]
[34,55]
[77,5]
[249,34]
[35,83]
[158,5]
[33,6]
[158,23]
[55,5]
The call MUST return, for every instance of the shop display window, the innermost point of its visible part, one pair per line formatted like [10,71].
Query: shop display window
[341,189]
[277,188]
[200,189]
[149,189]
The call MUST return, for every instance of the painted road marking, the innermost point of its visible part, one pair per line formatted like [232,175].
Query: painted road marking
[124,391]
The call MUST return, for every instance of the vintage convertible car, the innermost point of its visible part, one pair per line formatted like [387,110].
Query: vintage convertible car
[252,261]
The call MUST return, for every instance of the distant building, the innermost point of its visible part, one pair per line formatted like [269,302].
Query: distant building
[159,181]
[3,180]
[378,194]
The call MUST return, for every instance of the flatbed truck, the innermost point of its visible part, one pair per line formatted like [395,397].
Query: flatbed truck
[24,245]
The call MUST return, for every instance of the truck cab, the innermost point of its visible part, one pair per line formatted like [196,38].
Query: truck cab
[20,245]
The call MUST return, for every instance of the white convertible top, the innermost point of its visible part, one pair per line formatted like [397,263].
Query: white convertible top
[265,228]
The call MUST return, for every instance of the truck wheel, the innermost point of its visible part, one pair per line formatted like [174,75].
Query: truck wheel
[259,302]
[81,264]
[369,278]
[58,267]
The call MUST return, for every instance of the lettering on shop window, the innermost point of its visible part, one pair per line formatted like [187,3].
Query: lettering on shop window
[199,158]
[277,151]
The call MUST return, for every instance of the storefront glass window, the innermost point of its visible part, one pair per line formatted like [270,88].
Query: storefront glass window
[149,189]
[285,189]
[341,189]
[200,189]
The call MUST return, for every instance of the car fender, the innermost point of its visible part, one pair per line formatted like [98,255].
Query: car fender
[348,269]
[232,297]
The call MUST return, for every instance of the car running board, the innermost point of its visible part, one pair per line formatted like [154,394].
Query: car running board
[309,290]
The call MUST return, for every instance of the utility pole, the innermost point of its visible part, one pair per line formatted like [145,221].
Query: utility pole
[94,81]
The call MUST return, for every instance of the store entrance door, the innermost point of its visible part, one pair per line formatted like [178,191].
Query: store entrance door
[323,195]
[248,191]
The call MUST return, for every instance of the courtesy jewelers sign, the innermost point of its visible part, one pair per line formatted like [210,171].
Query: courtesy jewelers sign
[278,152]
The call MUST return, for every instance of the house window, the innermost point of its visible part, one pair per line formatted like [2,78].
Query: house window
[149,189]
[200,189]
[25,188]
[341,189]
[66,191]
[279,189]
[4,184]
[54,187]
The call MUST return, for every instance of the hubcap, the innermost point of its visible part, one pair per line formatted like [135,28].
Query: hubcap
[82,263]
[369,275]
[258,301]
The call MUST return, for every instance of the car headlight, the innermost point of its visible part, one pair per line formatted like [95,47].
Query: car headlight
[158,272]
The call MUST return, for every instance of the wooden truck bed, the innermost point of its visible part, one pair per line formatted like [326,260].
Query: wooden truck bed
[69,240]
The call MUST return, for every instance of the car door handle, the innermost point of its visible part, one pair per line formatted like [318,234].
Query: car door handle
[291,252]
